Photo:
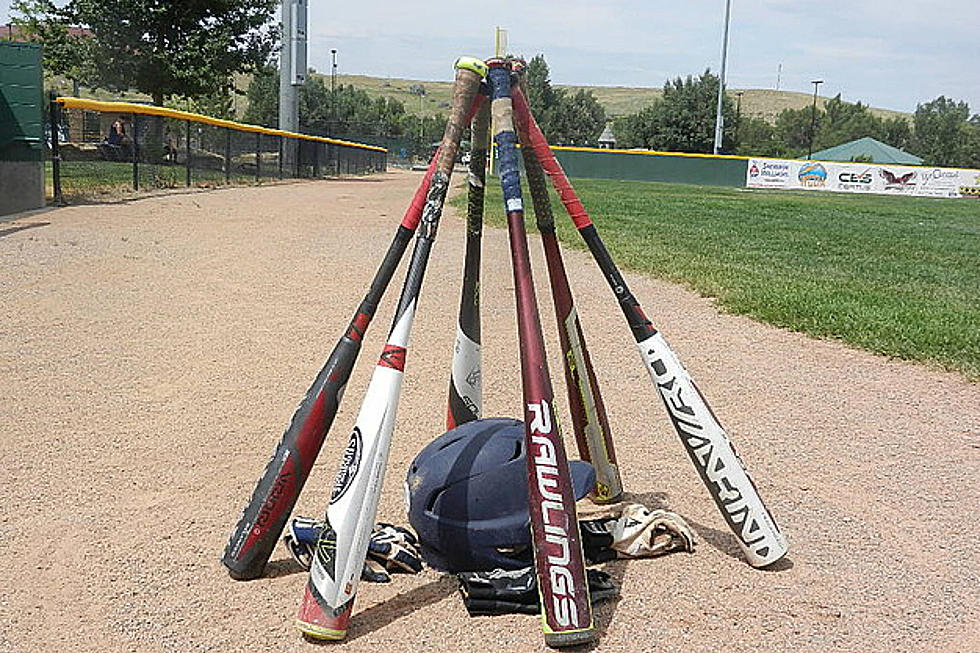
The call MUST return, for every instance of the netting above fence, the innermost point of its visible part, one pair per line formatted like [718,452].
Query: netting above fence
[99,147]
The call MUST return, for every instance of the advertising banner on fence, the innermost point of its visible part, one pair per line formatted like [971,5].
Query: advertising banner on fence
[862,178]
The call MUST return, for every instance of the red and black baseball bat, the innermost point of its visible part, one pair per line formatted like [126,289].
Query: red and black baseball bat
[264,517]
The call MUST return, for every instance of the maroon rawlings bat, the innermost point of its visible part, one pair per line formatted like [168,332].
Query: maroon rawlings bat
[566,614]
[592,433]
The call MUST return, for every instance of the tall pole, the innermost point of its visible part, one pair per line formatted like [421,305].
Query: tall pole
[813,117]
[421,120]
[288,108]
[333,88]
[738,116]
[719,119]
[292,70]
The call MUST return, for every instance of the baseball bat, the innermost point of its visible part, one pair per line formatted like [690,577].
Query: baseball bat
[566,611]
[589,420]
[264,517]
[706,442]
[342,547]
[465,382]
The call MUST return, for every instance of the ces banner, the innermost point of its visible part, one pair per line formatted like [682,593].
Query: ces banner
[862,178]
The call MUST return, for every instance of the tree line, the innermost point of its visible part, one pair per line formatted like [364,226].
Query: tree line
[942,131]
[344,112]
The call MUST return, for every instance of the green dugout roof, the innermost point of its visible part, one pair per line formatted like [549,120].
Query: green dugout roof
[864,148]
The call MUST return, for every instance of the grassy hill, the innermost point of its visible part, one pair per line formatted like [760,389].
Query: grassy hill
[616,100]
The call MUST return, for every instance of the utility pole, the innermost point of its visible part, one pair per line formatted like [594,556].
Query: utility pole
[292,70]
[292,62]
[719,118]
[421,118]
[738,116]
[813,117]
[333,89]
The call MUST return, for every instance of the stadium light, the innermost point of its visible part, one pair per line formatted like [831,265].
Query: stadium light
[813,117]
[333,86]
[719,119]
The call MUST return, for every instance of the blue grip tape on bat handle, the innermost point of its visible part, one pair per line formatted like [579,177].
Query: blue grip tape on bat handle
[506,140]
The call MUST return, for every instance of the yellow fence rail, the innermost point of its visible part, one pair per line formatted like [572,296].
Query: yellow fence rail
[151,110]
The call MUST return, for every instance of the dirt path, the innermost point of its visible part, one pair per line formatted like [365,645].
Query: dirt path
[152,351]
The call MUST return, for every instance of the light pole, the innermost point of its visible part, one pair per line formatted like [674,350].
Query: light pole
[813,117]
[719,119]
[421,117]
[738,115]
[333,88]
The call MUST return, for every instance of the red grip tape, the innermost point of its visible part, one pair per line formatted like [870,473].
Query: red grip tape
[531,133]
[414,212]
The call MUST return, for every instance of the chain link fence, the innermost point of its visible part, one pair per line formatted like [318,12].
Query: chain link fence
[101,148]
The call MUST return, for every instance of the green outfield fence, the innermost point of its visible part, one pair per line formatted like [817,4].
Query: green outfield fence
[649,165]
[669,167]
[98,147]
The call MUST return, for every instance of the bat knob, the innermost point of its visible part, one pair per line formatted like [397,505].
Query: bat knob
[473,64]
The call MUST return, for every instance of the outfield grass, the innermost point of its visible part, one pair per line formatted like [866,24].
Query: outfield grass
[896,276]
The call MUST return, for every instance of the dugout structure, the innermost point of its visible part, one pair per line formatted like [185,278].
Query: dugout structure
[105,146]
[21,128]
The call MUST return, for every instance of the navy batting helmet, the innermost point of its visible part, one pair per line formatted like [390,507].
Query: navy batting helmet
[467,497]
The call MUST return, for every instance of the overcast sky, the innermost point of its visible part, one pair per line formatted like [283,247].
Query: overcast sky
[887,53]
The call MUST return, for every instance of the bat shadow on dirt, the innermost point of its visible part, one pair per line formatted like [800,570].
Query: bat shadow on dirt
[21,227]
[727,544]
[383,614]
[283,567]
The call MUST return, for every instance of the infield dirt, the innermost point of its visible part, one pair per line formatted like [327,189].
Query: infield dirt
[153,350]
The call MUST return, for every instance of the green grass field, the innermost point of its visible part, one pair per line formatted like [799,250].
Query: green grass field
[896,276]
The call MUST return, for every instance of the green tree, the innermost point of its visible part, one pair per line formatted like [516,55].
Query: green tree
[682,119]
[757,137]
[576,120]
[263,98]
[565,119]
[940,128]
[897,132]
[63,53]
[541,95]
[347,112]
[843,122]
[191,48]
[793,129]
[971,143]
[638,129]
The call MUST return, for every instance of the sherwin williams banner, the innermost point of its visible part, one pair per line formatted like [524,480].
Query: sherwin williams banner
[862,178]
